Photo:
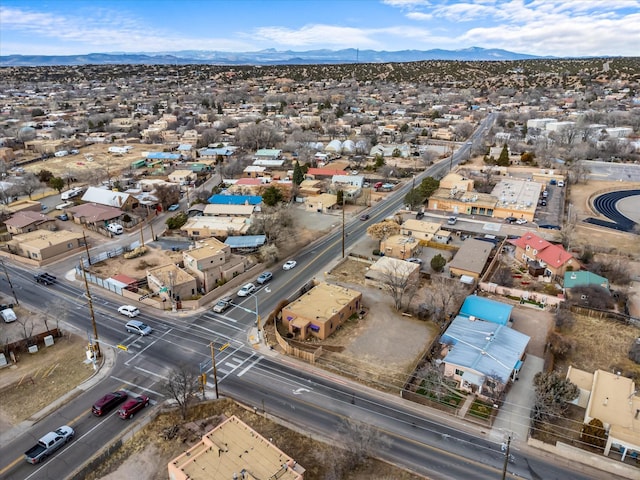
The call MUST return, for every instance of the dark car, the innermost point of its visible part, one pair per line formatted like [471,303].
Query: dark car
[550,227]
[133,406]
[419,215]
[45,278]
[364,217]
[108,402]
[510,219]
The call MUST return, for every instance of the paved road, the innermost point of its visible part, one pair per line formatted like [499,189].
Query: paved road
[308,398]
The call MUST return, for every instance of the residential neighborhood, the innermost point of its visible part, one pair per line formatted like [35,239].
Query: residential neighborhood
[450,244]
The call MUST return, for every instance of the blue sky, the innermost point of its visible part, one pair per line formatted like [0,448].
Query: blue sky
[538,27]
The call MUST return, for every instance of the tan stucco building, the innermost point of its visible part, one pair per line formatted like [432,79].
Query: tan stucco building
[321,203]
[221,227]
[182,177]
[234,450]
[391,269]
[28,221]
[400,246]
[320,311]
[210,262]
[43,245]
[170,281]
[421,230]
[614,400]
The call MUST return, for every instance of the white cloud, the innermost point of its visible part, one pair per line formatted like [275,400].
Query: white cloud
[419,16]
[310,35]
[406,3]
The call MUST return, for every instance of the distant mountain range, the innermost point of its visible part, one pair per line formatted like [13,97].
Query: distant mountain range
[263,57]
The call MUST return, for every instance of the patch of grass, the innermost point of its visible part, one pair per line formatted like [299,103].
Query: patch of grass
[481,409]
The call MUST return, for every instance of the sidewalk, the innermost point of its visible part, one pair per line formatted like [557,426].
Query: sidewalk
[108,360]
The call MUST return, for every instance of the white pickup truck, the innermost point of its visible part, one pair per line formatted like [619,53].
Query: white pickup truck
[49,444]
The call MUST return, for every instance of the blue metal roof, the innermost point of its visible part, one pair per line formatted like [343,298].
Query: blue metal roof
[163,156]
[486,309]
[222,199]
[484,347]
[246,241]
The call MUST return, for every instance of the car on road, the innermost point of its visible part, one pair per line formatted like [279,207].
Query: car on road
[129,310]
[132,406]
[365,216]
[264,277]
[246,290]
[222,304]
[560,183]
[414,260]
[136,326]
[419,215]
[550,227]
[510,219]
[45,278]
[452,220]
[289,265]
[49,444]
[64,217]
[174,207]
[521,221]
[108,402]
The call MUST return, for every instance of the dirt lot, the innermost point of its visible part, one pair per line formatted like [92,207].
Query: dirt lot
[136,267]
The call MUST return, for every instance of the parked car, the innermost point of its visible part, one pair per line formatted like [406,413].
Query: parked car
[543,202]
[45,278]
[550,227]
[48,444]
[115,228]
[246,290]
[108,402]
[133,406]
[64,217]
[136,326]
[419,215]
[545,194]
[129,310]
[560,183]
[414,260]
[289,265]
[174,207]
[510,219]
[8,315]
[222,304]
[365,216]
[521,221]
[264,277]
[452,220]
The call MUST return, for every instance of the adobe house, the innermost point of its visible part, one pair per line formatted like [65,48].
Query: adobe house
[230,451]
[43,245]
[320,311]
[212,261]
[170,281]
[28,221]
[400,246]
[471,258]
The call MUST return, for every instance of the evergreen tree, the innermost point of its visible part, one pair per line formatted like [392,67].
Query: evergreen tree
[503,159]
[298,176]
[438,262]
[272,196]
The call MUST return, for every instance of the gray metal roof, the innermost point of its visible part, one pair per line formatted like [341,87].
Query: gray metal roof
[246,241]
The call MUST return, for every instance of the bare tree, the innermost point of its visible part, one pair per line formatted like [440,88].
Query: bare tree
[445,295]
[167,194]
[182,385]
[274,222]
[258,135]
[29,184]
[361,441]
[432,377]
[398,282]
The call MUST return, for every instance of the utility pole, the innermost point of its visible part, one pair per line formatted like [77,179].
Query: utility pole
[342,224]
[141,234]
[506,457]
[93,317]
[86,247]
[215,369]
[15,297]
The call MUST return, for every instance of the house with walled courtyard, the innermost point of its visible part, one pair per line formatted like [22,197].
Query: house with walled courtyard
[211,263]
[320,311]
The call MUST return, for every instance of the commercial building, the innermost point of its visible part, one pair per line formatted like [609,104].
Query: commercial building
[43,245]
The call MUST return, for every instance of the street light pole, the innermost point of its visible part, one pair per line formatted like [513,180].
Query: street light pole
[92,315]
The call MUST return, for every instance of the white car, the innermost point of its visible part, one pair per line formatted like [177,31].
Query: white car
[136,326]
[129,310]
[521,221]
[8,315]
[247,290]
[289,265]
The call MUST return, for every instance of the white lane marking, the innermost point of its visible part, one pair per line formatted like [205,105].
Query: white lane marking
[139,387]
[246,369]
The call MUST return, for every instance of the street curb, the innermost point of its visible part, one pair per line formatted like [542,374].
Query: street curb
[103,369]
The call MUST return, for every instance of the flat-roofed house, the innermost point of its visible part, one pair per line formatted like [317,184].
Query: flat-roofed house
[182,177]
[43,245]
[399,246]
[321,310]
[614,400]
[204,227]
[211,262]
[389,269]
[170,281]
[321,203]
[423,231]
[230,451]
[223,210]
